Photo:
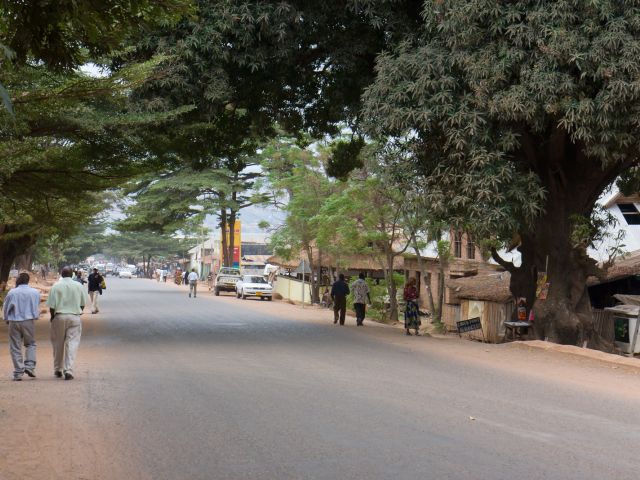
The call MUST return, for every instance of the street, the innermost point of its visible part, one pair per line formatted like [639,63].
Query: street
[169,387]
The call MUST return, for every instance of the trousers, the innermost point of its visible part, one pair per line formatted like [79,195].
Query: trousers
[22,333]
[93,296]
[192,288]
[360,309]
[339,308]
[66,330]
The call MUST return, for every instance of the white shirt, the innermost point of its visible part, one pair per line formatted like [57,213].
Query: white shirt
[193,277]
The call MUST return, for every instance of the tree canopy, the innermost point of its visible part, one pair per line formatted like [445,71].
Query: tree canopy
[516,116]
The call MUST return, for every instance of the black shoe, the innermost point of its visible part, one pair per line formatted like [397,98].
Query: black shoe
[30,372]
[68,376]
[58,374]
[17,379]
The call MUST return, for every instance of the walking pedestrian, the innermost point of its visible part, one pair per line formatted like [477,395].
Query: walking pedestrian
[361,297]
[66,302]
[78,277]
[21,309]
[95,289]
[339,292]
[193,282]
[185,277]
[411,317]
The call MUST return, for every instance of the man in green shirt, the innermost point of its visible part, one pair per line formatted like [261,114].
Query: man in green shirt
[66,302]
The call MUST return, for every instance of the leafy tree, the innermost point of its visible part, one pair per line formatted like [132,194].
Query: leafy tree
[146,246]
[296,177]
[71,134]
[180,198]
[365,218]
[517,116]
[64,34]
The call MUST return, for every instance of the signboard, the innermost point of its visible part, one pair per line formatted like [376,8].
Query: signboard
[470,325]
[237,244]
[542,286]
[621,329]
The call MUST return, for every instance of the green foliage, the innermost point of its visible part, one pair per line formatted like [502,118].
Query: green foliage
[379,293]
[344,158]
[597,230]
[145,245]
[299,184]
[65,34]
[507,87]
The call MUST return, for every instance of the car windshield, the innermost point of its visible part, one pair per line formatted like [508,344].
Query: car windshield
[252,279]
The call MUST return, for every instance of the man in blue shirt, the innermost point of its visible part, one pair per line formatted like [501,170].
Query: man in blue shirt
[21,309]
[339,292]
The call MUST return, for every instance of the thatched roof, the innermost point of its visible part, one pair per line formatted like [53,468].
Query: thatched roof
[491,288]
[622,268]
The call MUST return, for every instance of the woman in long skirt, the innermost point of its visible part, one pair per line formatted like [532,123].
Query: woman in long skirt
[411,318]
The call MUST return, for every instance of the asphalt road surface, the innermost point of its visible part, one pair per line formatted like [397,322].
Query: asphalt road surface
[169,387]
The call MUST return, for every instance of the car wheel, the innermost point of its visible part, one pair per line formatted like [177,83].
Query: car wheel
[269,298]
[216,292]
[244,297]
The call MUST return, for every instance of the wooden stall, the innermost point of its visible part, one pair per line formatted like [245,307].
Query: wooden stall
[487,297]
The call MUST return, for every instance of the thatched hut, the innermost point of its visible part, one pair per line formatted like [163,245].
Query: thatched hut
[487,297]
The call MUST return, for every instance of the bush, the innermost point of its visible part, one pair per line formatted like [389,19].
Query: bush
[379,297]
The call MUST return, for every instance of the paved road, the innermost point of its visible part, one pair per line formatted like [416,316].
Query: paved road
[220,388]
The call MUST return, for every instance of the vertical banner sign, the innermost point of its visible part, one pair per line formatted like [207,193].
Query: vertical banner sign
[237,244]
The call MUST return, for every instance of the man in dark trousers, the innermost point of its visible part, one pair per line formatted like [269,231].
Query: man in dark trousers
[95,289]
[339,292]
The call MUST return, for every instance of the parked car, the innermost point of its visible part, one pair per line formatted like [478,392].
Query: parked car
[226,280]
[254,286]
[125,273]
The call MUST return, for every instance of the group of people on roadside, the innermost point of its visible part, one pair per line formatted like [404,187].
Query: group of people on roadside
[66,301]
[362,296]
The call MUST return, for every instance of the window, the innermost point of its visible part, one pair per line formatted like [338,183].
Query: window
[457,244]
[427,279]
[630,213]
[471,248]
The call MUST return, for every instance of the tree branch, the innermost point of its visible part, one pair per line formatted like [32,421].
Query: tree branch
[508,266]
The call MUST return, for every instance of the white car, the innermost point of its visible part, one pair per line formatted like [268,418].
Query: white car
[253,286]
[124,273]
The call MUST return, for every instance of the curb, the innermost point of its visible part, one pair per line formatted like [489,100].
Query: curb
[609,358]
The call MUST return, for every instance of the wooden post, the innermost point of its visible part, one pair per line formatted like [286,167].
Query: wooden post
[635,335]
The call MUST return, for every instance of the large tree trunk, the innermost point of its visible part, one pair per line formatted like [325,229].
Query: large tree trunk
[232,240]
[25,259]
[573,183]
[223,240]
[10,249]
